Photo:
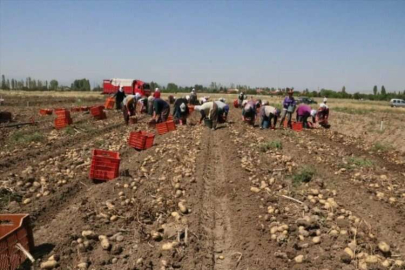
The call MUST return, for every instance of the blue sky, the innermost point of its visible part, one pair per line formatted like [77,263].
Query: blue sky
[303,44]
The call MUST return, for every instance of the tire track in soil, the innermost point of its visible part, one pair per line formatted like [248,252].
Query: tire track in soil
[223,233]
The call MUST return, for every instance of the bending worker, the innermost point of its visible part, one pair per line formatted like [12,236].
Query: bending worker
[303,112]
[180,110]
[210,110]
[249,112]
[267,114]
[161,110]
[129,106]
[223,110]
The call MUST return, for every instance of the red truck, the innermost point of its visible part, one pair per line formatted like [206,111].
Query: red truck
[129,86]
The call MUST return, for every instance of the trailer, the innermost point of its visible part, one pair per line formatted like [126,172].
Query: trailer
[130,86]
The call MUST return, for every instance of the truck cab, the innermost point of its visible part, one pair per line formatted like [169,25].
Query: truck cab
[130,86]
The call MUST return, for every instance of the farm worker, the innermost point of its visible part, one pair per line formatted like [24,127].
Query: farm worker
[303,112]
[156,94]
[222,100]
[313,115]
[223,110]
[241,97]
[180,109]
[129,106]
[289,104]
[119,97]
[161,110]
[323,114]
[249,112]
[267,113]
[193,97]
[210,110]
[204,100]
[150,105]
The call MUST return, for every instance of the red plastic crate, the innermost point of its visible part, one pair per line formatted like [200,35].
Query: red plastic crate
[14,228]
[297,126]
[62,114]
[45,111]
[76,109]
[150,137]
[162,128]
[102,116]
[62,122]
[137,140]
[96,110]
[190,108]
[169,118]
[171,125]
[105,165]
[109,103]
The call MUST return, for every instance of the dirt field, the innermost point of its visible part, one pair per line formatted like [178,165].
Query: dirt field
[235,198]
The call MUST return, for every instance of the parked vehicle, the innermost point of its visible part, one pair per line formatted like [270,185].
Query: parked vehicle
[397,102]
[306,100]
[129,86]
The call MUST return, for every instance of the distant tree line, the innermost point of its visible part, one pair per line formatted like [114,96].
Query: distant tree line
[30,84]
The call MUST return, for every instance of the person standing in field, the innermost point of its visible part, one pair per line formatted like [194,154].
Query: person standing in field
[129,106]
[119,97]
[289,104]
[268,113]
[156,94]
[161,110]
[210,110]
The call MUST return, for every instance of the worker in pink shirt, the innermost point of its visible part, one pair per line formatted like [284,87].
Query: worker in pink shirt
[303,112]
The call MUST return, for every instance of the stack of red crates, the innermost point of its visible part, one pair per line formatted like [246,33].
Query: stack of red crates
[98,112]
[62,118]
[165,127]
[141,140]
[105,165]
[162,128]
[109,103]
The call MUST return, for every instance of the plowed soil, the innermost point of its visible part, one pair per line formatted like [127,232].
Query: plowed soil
[235,198]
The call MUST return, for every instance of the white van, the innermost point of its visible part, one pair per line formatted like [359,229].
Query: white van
[397,102]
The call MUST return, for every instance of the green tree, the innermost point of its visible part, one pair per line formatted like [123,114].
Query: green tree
[12,84]
[375,90]
[172,87]
[53,85]
[383,92]
[46,85]
[3,82]
[153,85]
[344,89]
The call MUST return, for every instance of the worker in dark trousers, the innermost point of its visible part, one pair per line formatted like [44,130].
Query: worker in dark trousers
[119,97]
[161,110]
[180,110]
[129,106]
